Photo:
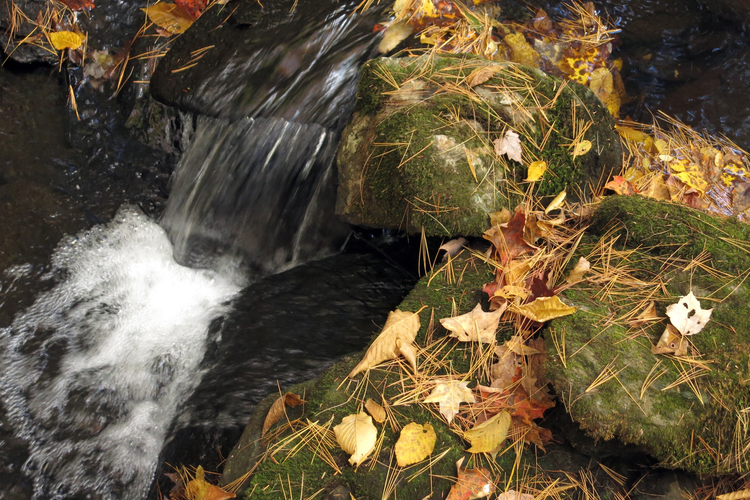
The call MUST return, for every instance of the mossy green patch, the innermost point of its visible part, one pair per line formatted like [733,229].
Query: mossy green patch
[419,151]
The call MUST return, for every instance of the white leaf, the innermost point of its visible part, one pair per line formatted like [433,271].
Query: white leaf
[509,145]
[450,394]
[687,316]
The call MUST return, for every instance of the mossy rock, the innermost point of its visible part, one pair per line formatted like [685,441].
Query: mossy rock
[702,429]
[418,151]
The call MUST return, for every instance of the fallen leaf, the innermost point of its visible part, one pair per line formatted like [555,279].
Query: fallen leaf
[453,246]
[735,495]
[648,314]
[450,394]
[415,443]
[507,369]
[356,434]
[62,40]
[514,495]
[169,17]
[671,342]
[481,75]
[472,483]
[631,134]
[536,170]
[544,309]
[396,339]
[397,32]
[200,489]
[278,409]
[556,202]
[474,326]
[517,345]
[687,316]
[489,436]
[508,241]
[657,189]
[76,5]
[581,148]
[619,185]
[577,273]
[192,7]
[375,410]
[509,145]
[501,217]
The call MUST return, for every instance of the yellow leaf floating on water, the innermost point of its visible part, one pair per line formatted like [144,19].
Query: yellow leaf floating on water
[200,489]
[415,443]
[544,309]
[396,339]
[450,394]
[62,40]
[488,437]
[169,17]
[536,170]
[356,434]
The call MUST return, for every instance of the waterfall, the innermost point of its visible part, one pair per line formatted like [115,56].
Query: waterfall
[94,373]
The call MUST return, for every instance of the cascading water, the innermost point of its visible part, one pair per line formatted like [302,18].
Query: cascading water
[93,374]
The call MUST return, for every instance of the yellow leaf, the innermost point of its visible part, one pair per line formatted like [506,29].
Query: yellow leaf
[278,409]
[657,189]
[536,170]
[200,489]
[474,326]
[556,203]
[169,17]
[415,443]
[661,146]
[735,495]
[397,32]
[489,436]
[581,148]
[631,134]
[374,409]
[65,40]
[481,75]
[580,269]
[544,309]
[501,217]
[428,8]
[450,394]
[356,434]
[510,292]
[396,339]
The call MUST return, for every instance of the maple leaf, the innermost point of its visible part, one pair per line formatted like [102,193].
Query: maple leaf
[396,339]
[687,316]
[620,185]
[474,326]
[505,372]
[472,483]
[489,436]
[508,241]
[450,394]
[510,145]
[278,409]
[531,433]
[415,443]
[357,435]
[200,489]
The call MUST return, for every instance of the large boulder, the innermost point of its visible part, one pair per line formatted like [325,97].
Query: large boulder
[418,152]
[687,411]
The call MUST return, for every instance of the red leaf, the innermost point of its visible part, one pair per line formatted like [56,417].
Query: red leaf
[508,241]
[472,483]
[193,7]
[619,185]
[77,5]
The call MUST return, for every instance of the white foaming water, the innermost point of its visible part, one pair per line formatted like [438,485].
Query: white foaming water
[93,372]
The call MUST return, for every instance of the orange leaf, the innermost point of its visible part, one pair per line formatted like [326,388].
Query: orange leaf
[76,5]
[472,483]
[169,17]
[192,7]
[278,409]
[619,185]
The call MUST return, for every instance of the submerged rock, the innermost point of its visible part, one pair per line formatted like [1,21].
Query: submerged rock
[688,412]
[419,151]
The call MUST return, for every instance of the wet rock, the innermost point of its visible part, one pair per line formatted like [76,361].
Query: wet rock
[13,32]
[695,427]
[731,9]
[418,151]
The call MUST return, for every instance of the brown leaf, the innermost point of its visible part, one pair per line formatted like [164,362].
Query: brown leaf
[481,75]
[671,342]
[396,339]
[508,241]
[375,410]
[449,394]
[472,483]
[278,409]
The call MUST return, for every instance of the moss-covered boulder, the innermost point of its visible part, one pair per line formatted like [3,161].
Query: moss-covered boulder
[419,151]
[689,412]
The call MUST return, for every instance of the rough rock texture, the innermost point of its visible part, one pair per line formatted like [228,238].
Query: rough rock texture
[703,428]
[32,51]
[418,151]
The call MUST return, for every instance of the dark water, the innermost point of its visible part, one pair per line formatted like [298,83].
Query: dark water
[59,176]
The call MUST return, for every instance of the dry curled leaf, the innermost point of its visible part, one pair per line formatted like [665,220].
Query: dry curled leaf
[278,409]
[481,75]
[453,246]
[556,202]
[489,436]
[581,148]
[544,309]
[415,443]
[374,409]
[356,434]
[474,326]
[450,394]
[510,145]
[396,339]
[397,32]
[200,489]
[687,316]
[671,342]
[514,495]
[735,495]
[472,483]
[648,314]
[578,272]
